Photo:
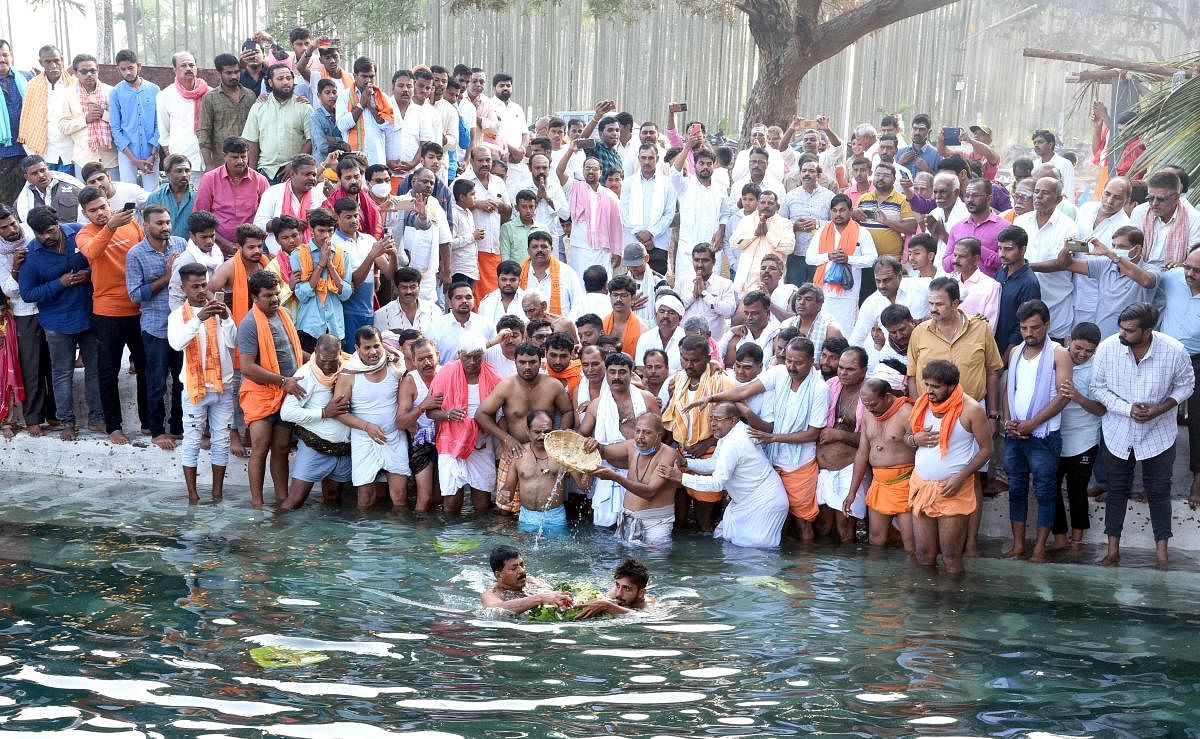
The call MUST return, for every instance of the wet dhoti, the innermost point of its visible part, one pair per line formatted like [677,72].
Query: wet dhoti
[650,526]
[928,497]
[801,487]
[889,489]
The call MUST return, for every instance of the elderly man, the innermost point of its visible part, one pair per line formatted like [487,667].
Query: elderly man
[758,505]
[668,331]
[1141,376]
[764,232]
[534,306]
[466,460]
[760,327]
[949,209]
[537,481]
[1171,226]
[648,511]
[323,449]
[953,440]
[1047,228]
[890,289]
[178,108]
[883,453]
[811,318]
[1099,219]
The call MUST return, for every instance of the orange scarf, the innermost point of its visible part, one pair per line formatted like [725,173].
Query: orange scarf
[321,377]
[241,288]
[347,80]
[629,339]
[570,376]
[847,241]
[356,134]
[201,374]
[950,410]
[555,296]
[326,284]
[897,403]
[692,426]
[260,401]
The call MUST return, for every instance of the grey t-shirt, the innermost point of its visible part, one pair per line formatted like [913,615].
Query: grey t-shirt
[248,342]
[1117,291]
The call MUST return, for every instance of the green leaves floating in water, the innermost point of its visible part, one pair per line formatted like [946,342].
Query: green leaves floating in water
[270,657]
[457,546]
[581,593]
[767,581]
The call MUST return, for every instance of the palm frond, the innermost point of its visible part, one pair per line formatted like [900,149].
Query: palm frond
[1167,121]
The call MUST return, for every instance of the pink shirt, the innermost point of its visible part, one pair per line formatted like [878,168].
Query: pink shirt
[980,296]
[232,204]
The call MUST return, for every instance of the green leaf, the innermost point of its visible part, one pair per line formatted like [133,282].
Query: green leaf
[456,546]
[270,657]
[769,582]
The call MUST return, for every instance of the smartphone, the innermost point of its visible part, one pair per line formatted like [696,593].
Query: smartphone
[950,136]
[249,45]
[130,205]
[694,129]
[278,52]
[1077,245]
[585,144]
[683,107]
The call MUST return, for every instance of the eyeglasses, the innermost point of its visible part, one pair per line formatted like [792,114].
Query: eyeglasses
[1161,198]
[720,418]
[1190,269]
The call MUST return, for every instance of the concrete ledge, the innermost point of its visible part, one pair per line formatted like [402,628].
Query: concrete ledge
[91,456]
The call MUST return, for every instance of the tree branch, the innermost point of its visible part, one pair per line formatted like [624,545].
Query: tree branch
[866,18]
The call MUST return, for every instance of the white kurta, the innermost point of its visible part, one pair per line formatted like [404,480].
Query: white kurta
[758,504]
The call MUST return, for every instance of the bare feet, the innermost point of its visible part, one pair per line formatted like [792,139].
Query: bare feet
[1076,543]
[1160,563]
[1095,492]
[1100,496]
[34,429]
[1110,560]
[1013,553]
[67,434]
[7,431]
[118,437]
[1038,556]
[97,428]
[164,442]
[1194,500]
[144,431]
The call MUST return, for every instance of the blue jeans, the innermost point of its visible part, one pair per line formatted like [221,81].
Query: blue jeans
[163,365]
[1156,481]
[1037,457]
[62,374]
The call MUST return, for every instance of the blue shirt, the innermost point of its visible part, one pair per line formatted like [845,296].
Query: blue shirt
[361,303]
[322,123]
[928,154]
[1181,314]
[180,211]
[13,102]
[1015,289]
[134,117]
[63,310]
[143,265]
[314,317]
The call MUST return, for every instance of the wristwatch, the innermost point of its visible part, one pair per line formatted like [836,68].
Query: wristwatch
[994,416]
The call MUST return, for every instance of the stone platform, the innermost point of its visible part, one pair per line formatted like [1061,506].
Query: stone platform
[92,456]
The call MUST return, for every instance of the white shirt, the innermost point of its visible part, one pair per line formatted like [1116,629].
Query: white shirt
[8,283]
[716,304]
[597,303]
[773,184]
[374,134]
[1156,242]
[177,126]
[448,116]
[406,132]
[512,121]
[763,340]
[492,308]
[872,308]
[392,317]
[699,216]
[1118,382]
[778,381]
[1044,245]
[270,205]
[1067,170]
[307,411]
[650,339]
[1086,292]
[489,222]
[446,332]
[776,166]
[127,192]
[423,247]
[504,366]
[570,287]
[557,208]
[181,333]
[59,146]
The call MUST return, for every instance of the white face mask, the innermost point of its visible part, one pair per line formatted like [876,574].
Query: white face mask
[381,189]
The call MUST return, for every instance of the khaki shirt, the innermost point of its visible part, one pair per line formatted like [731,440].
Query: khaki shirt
[973,351]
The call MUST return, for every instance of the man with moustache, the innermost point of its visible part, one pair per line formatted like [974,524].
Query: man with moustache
[648,503]
[514,591]
[700,201]
[883,453]
[323,449]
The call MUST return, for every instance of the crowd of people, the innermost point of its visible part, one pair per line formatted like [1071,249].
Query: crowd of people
[411,286]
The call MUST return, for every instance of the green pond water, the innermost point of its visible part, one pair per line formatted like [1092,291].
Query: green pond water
[126,614]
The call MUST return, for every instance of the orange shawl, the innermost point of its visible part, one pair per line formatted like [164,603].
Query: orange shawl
[355,135]
[555,296]
[847,241]
[240,285]
[260,401]
[897,403]
[629,339]
[692,426]
[570,376]
[950,410]
[201,374]
[326,284]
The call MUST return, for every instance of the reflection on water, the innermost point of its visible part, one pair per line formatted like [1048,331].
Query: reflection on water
[126,614]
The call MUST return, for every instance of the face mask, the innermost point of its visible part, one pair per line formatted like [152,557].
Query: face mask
[381,189]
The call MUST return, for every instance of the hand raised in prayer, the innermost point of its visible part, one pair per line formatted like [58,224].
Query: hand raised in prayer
[670,473]
[761,230]
[838,256]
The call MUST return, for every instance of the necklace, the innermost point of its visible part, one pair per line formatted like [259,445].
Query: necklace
[641,476]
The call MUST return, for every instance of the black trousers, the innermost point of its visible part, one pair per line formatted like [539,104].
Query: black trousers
[113,335]
[1076,470]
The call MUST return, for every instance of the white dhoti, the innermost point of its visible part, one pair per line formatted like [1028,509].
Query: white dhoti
[608,498]
[369,459]
[652,526]
[843,309]
[582,257]
[478,470]
[832,487]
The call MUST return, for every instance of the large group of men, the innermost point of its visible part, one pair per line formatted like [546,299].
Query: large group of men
[412,286]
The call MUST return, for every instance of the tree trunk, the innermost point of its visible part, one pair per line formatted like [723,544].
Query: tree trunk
[772,99]
[130,11]
[104,30]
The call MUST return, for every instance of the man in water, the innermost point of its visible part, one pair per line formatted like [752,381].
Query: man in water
[538,480]
[883,452]
[514,590]
[648,515]
[628,594]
